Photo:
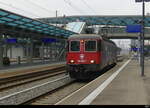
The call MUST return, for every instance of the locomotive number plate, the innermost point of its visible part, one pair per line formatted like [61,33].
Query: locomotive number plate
[81,61]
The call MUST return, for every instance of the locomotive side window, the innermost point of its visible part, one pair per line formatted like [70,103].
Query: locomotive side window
[90,46]
[75,46]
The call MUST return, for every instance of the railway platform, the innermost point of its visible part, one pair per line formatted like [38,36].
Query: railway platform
[122,85]
[11,71]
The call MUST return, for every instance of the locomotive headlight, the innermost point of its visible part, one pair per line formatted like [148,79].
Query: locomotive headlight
[92,61]
[71,61]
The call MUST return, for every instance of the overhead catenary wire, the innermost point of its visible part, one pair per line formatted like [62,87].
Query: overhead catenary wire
[68,2]
[10,5]
[73,6]
[45,9]
[88,6]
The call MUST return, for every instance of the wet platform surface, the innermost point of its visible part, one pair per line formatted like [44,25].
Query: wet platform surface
[127,88]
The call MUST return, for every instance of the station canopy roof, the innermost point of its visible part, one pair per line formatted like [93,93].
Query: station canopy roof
[116,20]
[17,21]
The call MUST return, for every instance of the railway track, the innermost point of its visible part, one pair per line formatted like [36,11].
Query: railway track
[29,93]
[32,94]
[29,77]
[51,98]
[57,95]
[19,89]
[11,85]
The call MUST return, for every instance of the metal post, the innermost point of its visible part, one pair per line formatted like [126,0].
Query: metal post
[29,51]
[139,51]
[51,51]
[56,16]
[142,41]
[47,51]
[42,51]
[5,50]
[10,51]
[1,53]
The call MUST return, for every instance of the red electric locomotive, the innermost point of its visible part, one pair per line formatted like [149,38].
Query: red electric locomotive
[89,53]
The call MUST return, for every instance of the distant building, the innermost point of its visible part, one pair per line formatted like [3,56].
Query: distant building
[123,44]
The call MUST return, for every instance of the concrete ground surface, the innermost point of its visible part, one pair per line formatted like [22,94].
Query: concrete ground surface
[127,88]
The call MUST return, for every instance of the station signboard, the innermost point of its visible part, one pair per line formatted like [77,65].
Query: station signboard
[48,40]
[134,29]
[12,40]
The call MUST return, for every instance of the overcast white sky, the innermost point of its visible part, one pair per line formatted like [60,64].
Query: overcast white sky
[47,8]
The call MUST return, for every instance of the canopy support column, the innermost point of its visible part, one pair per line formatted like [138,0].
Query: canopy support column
[42,52]
[1,53]
[30,51]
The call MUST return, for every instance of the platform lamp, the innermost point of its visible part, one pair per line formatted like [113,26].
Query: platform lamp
[142,35]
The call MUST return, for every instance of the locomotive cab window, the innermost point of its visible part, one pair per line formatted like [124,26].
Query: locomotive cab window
[75,46]
[90,46]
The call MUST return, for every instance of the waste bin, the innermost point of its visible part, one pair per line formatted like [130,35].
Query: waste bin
[6,61]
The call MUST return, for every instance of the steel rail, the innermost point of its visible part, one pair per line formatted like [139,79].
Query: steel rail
[30,77]
[34,92]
